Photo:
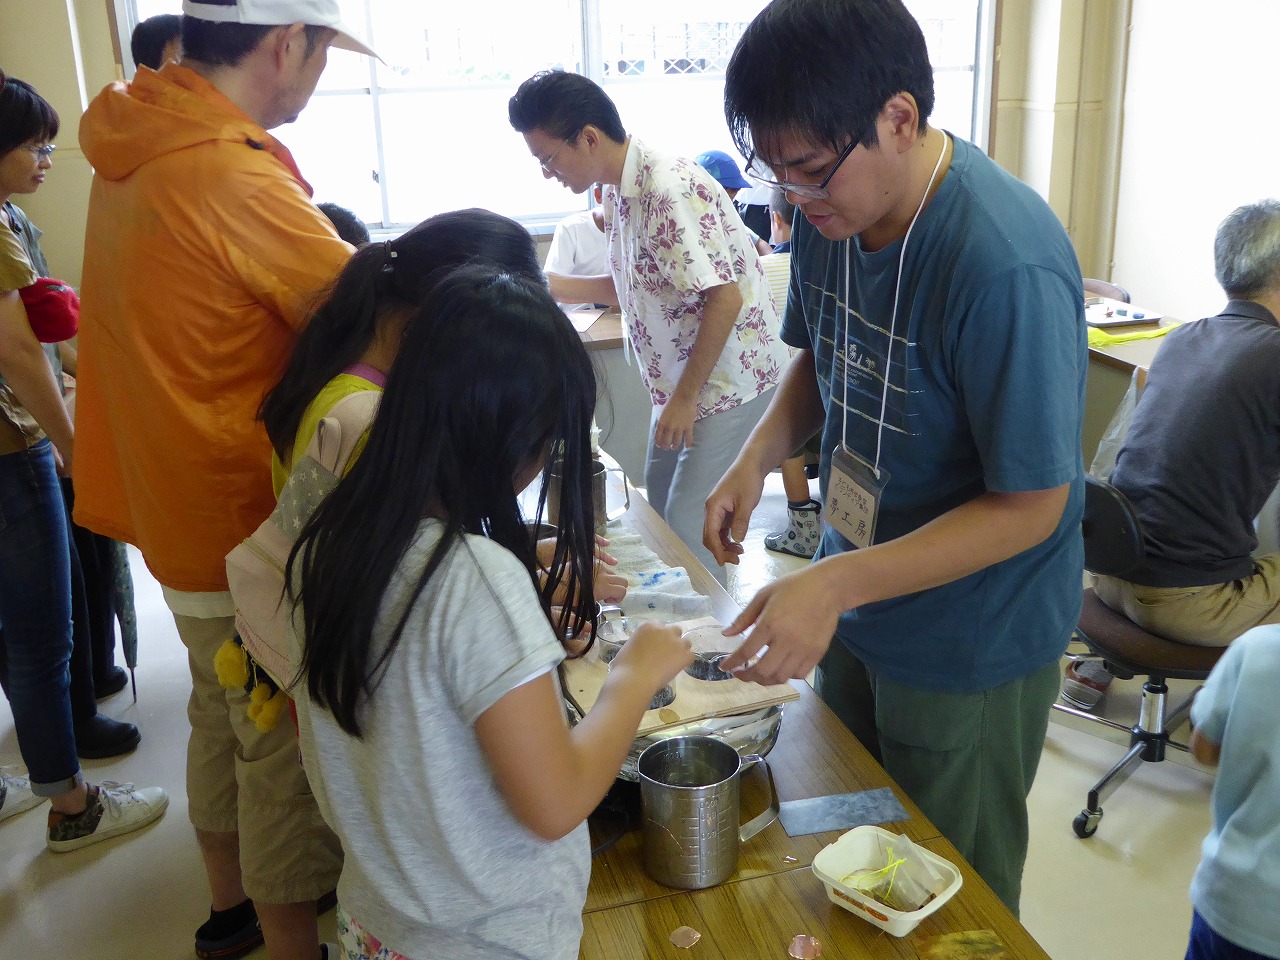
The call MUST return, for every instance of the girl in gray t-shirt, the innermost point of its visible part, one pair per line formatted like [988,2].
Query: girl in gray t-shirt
[431,720]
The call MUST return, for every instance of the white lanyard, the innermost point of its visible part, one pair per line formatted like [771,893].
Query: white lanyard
[893,322]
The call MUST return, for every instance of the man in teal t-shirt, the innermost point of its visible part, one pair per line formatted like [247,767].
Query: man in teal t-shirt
[939,314]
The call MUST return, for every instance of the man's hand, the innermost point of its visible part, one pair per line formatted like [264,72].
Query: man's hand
[795,618]
[729,509]
[675,424]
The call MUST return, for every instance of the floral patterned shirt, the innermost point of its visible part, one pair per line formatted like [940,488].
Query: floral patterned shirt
[673,234]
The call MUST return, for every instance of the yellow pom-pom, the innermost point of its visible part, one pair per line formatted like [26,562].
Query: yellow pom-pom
[232,665]
[269,713]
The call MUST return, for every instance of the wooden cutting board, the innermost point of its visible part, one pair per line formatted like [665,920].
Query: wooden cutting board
[694,699]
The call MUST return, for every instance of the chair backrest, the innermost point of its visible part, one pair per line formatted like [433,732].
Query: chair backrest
[1113,540]
[1104,288]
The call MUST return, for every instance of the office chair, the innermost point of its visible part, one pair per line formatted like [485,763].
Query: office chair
[1103,288]
[1113,546]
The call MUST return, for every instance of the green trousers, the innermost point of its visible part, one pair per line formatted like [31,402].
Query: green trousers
[966,759]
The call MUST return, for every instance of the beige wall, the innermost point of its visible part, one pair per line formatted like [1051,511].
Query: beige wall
[1200,138]
[1058,111]
[64,50]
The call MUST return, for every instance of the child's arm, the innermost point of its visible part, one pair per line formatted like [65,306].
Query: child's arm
[1205,750]
[552,776]
[26,369]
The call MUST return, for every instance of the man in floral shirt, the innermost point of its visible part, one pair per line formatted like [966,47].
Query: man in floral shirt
[694,297]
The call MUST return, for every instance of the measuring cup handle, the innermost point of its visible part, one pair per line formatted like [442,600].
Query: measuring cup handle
[758,823]
[626,493]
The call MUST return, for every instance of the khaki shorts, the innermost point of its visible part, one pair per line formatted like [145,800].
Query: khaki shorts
[242,781]
[1209,616]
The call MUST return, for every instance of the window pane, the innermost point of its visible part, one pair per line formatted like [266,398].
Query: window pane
[334,144]
[950,29]
[449,69]
[446,151]
[673,52]
[473,42]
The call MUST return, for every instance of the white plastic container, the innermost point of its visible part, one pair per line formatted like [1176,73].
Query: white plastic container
[866,847]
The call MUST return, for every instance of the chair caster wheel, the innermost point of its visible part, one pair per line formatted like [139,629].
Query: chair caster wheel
[1086,824]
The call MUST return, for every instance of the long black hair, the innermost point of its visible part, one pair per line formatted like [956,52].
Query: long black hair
[490,379]
[382,280]
[25,116]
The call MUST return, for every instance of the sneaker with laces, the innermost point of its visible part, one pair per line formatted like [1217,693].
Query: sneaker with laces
[15,794]
[114,809]
[803,532]
[1085,682]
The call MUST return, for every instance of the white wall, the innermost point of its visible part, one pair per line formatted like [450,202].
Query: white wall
[1200,138]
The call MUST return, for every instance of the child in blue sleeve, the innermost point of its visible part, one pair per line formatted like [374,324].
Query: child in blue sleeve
[1237,885]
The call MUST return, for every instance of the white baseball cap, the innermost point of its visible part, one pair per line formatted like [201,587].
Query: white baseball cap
[275,13]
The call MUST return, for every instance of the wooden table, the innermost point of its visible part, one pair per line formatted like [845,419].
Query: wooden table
[756,918]
[606,332]
[774,895]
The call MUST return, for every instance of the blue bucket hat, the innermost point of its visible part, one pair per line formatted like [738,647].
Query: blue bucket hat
[721,166]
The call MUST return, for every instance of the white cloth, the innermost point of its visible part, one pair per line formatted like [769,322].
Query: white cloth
[673,234]
[436,865]
[203,605]
[654,590]
[777,270]
[578,249]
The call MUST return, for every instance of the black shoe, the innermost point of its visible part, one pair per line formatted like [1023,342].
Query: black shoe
[235,943]
[114,682]
[102,737]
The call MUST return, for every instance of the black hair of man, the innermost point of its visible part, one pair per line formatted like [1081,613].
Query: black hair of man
[350,227]
[151,36]
[561,104]
[781,207]
[823,70]
[226,44]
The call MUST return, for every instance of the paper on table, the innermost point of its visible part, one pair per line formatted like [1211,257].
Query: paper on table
[1104,312]
[841,811]
[583,319]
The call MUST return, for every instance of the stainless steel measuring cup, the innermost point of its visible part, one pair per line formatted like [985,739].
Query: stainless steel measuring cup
[689,789]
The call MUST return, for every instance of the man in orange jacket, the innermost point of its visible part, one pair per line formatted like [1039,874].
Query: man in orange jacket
[203,256]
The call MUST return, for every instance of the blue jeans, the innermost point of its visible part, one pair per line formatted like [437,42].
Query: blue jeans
[35,611]
[1205,944]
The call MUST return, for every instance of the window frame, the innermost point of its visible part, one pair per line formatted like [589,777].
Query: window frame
[593,54]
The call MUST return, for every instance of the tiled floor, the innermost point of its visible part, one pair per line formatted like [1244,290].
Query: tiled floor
[1120,895]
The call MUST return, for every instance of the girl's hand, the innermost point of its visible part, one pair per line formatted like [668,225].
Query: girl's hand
[653,656]
[609,587]
[601,554]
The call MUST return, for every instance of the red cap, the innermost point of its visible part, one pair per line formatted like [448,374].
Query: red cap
[53,309]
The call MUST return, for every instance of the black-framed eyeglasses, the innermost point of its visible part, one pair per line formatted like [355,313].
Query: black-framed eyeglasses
[546,164]
[43,152]
[756,171]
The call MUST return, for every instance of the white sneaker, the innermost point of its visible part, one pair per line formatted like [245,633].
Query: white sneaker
[15,793]
[116,808]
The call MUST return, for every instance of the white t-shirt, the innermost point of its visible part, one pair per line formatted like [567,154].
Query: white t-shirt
[674,234]
[436,865]
[578,249]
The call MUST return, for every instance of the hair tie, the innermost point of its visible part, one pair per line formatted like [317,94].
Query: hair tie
[388,257]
